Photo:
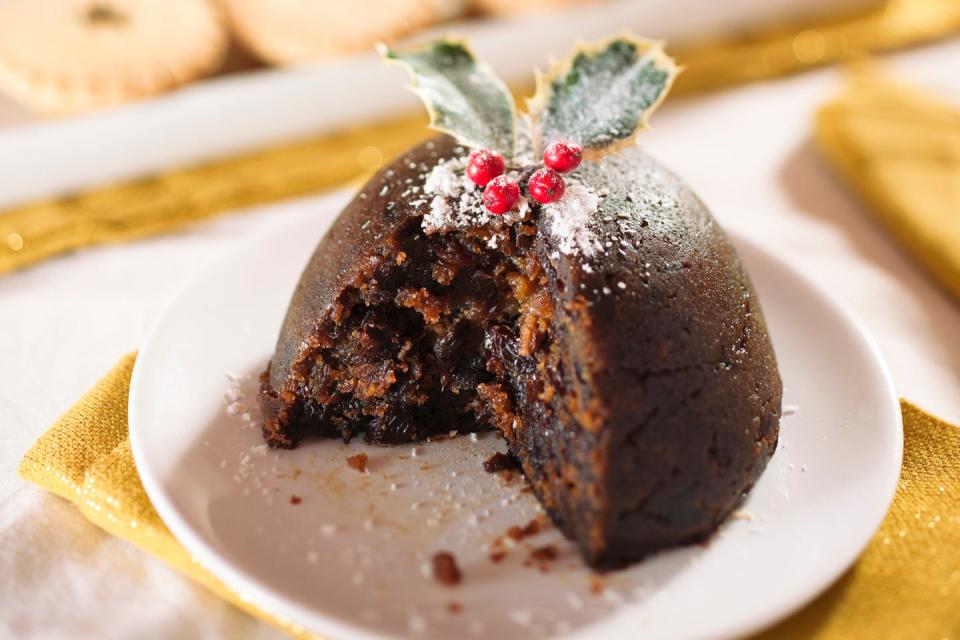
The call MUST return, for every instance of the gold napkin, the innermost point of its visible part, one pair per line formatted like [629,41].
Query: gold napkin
[900,150]
[86,458]
[905,585]
[166,202]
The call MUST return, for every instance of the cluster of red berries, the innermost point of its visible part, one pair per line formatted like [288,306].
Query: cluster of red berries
[500,193]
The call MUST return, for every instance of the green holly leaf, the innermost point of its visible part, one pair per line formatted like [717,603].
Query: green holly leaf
[602,96]
[463,96]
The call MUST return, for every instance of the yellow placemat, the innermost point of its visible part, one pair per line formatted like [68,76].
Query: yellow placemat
[162,203]
[905,585]
[86,458]
[900,150]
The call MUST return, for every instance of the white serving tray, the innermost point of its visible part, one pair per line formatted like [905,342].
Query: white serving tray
[230,114]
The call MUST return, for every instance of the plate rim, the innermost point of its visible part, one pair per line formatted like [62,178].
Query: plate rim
[242,584]
[741,238]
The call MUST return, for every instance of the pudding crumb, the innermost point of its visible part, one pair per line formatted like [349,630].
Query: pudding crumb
[500,462]
[532,528]
[358,462]
[445,569]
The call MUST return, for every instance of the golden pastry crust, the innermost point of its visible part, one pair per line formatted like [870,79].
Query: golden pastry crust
[510,7]
[297,31]
[61,56]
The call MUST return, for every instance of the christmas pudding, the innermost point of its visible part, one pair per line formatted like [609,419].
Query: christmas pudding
[538,277]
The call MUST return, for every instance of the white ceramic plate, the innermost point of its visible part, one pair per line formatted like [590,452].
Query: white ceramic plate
[347,561]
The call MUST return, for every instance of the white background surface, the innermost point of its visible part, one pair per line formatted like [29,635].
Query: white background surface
[65,322]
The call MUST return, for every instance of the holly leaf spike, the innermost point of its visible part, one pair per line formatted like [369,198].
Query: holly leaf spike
[602,95]
[463,96]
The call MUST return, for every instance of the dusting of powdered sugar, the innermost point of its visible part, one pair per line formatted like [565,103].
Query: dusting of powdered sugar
[569,221]
[449,178]
[457,202]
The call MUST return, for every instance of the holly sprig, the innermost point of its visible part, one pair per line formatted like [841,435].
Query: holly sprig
[603,95]
[464,97]
[598,98]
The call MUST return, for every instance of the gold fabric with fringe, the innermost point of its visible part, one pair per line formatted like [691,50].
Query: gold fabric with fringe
[166,202]
[86,458]
[905,585]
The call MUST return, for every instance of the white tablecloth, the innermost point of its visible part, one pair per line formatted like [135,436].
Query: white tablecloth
[65,322]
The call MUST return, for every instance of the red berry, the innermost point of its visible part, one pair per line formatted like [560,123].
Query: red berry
[563,156]
[501,194]
[484,165]
[546,185]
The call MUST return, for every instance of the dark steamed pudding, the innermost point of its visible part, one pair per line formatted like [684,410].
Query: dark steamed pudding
[624,358]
